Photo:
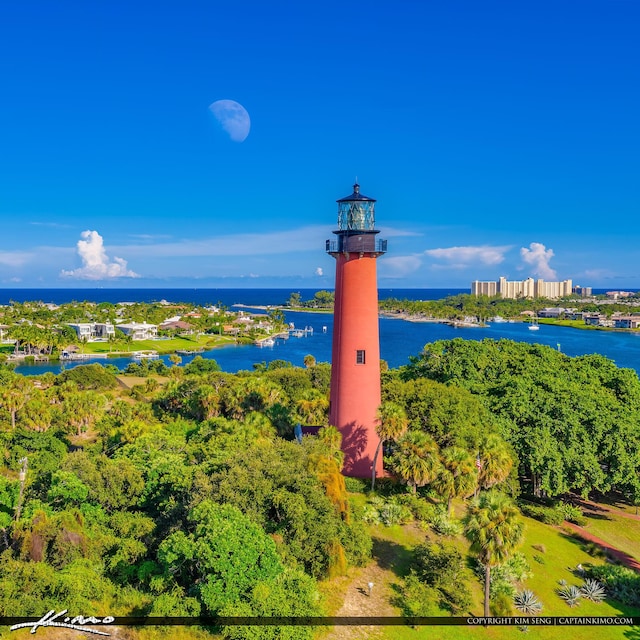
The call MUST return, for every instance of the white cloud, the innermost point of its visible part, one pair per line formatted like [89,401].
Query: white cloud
[393,232]
[399,266]
[15,258]
[56,225]
[304,239]
[319,271]
[96,265]
[538,256]
[460,257]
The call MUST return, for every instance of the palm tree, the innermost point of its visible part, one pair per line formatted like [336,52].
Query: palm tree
[416,459]
[494,529]
[15,395]
[82,408]
[495,462]
[391,424]
[36,414]
[331,439]
[458,477]
[312,407]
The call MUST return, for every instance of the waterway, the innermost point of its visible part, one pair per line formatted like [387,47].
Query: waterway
[399,339]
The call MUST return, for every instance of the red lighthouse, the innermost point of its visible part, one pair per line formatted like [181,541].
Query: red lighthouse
[355,358]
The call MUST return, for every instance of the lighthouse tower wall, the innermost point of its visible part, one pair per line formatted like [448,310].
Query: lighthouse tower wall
[355,372]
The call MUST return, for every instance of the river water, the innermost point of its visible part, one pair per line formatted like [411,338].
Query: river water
[400,339]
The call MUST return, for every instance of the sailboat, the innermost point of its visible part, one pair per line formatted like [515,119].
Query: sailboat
[534,326]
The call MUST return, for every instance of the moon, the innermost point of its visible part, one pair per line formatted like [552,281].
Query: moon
[233,118]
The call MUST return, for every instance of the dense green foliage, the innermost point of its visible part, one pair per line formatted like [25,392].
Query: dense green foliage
[621,583]
[188,494]
[574,423]
[185,501]
[443,568]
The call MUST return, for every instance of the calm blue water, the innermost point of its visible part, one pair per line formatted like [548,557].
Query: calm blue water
[399,339]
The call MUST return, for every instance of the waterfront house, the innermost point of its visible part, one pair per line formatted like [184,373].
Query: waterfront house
[594,319]
[177,326]
[90,331]
[139,330]
[104,330]
[84,330]
[554,312]
[626,322]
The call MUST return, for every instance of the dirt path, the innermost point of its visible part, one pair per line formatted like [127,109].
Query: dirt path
[598,508]
[622,557]
[384,572]
[358,603]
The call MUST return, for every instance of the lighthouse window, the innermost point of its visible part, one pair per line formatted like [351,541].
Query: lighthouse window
[360,356]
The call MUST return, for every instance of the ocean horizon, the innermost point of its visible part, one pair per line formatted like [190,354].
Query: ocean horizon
[207,296]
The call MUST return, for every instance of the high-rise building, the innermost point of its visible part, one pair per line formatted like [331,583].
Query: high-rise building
[355,356]
[528,288]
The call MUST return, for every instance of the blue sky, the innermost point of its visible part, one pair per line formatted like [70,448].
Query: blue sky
[499,138]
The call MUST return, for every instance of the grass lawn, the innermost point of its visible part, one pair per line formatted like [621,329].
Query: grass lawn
[161,346]
[622,533]
[128,382]
[555,558]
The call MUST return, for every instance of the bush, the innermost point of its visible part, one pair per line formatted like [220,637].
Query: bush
[501,605]
[621,583]
[548,515]
[356,485]
[394,513]
[443,567]
[386,511]
[573,514]
[417,598]
[421,509]
[439,519]
[89,376]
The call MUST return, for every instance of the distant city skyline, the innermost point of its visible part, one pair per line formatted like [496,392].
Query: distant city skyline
[205,144]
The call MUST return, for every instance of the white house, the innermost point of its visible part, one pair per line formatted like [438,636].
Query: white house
[93,330]
[139,330]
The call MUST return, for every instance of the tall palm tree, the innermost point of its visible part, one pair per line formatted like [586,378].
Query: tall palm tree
[82,408]
[391,424]
[493,527]
[416,459]
[458,477]
[495,462]
[15,395]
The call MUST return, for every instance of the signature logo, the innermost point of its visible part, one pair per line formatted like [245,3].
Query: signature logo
[52,619]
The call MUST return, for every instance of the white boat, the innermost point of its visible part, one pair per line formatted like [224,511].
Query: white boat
[267,342]
[534,326]
[142,355]
[498,319]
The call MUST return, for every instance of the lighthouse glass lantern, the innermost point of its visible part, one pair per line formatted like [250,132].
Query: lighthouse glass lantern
[356,212]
